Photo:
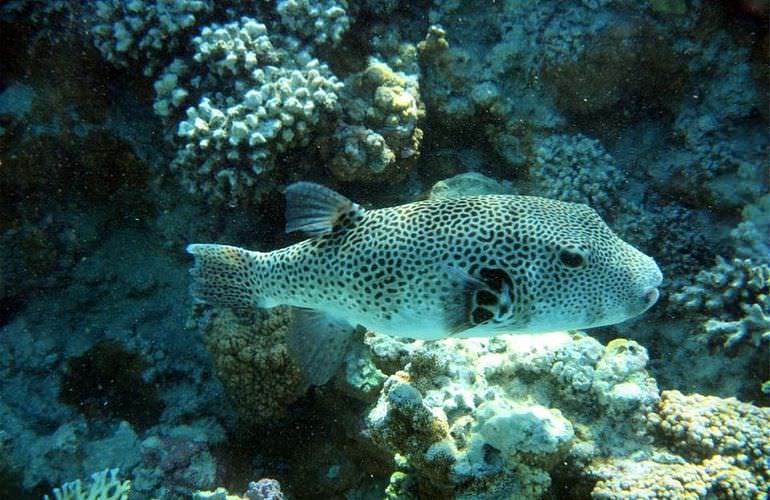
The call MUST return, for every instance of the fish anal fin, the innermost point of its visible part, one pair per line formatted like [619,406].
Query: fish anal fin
[317,210]
[318,342]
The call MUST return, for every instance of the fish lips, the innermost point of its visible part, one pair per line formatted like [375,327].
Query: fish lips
[649,294]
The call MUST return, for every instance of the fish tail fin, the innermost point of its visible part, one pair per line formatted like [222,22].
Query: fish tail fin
[227,276]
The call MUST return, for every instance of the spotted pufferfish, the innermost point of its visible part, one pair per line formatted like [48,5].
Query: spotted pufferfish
[467,266]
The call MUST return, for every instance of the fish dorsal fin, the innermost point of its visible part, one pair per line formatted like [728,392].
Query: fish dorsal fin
[317,210]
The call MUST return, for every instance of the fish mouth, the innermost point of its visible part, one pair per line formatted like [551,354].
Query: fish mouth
[646,299]
[650,296]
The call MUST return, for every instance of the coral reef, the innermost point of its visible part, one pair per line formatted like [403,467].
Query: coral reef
[175,462]
[673,478]
[251,360]
[721,160]
[106,381]
[264,489]
[593,77]
[254,102]
[477,417]
[378,136]
[735,297]
[654,113]
[143,31]
[576,169]
[752,236]
[703,446]
[321,22]
[103,485]
[725,442]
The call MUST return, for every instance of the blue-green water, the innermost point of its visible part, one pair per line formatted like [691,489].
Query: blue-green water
[130,129]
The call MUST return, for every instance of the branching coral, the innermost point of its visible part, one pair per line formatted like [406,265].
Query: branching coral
[735,295]
[254,101]
[104,485]
[324,21]
[138,30]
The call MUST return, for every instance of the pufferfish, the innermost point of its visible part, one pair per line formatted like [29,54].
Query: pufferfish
[467,266]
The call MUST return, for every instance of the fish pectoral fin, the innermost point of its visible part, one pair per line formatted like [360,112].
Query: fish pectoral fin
[472,301]
[317,210]
[318,342]
[459,288]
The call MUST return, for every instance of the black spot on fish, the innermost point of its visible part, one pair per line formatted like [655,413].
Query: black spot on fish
[480,315]
[485,298]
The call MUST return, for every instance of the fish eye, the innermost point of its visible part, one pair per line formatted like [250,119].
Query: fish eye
[572,257]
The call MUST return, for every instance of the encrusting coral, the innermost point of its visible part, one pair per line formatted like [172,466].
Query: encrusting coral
[477,417]
[705,447]
[578,169]
[251,360]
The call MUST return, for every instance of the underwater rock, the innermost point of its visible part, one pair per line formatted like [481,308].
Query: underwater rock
[598,79]
[526,429]
[107,382]
[469,184]
[177,461]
